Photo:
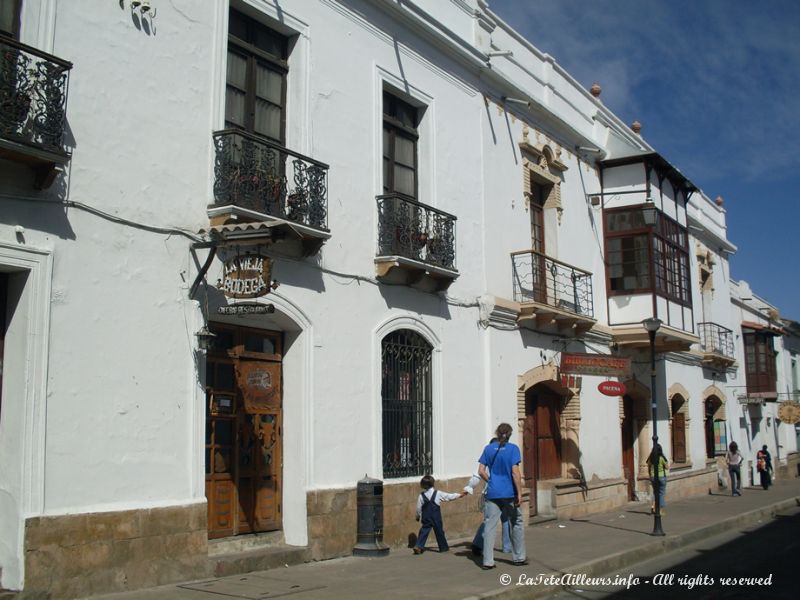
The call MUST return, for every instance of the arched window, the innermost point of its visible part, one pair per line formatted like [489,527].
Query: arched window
[407,404]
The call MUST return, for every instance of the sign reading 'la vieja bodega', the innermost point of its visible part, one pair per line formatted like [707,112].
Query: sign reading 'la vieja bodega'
[246,276]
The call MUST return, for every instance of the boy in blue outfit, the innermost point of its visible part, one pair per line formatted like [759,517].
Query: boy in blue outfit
[430,513]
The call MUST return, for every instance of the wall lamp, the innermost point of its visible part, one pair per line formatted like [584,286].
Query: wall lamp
[650,215]
[205,338]
[506,53]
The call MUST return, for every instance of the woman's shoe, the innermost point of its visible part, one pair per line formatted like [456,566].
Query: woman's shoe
[521,563]
[417,550]
[487,567]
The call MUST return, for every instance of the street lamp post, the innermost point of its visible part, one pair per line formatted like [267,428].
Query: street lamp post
[652,325]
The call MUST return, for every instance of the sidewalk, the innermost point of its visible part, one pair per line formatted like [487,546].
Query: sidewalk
[601,543]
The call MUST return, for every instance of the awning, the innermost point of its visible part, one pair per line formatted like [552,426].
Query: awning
[763,328]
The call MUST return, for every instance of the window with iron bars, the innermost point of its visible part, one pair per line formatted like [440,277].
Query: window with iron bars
[407,404]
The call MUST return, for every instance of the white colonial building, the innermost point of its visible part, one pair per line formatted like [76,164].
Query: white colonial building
[251,251]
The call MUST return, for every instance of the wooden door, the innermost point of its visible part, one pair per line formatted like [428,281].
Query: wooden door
[541,439]
[244,432]
[679,437]
[529,459]
[548,436]
[628,438]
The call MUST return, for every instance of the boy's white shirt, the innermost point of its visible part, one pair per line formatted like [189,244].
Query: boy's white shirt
[440,497]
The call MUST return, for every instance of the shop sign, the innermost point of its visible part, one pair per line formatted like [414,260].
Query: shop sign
[248,276]
[750,399]
[595,364]
[789,412]
[612,388]
[246,309]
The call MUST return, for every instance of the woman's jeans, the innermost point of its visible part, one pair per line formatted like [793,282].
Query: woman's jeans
[492,513]
[736,479]
[478,540]
[660,484]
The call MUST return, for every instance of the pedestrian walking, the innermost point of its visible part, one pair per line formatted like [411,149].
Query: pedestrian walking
[734,461]
[477,541]
[657,469]
[430,513]
[499,467]
[764,466]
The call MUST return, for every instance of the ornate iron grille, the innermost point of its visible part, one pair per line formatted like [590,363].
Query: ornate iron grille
[33,96]
[716,338]
[254,173]
[407,404]
[539,278]
[414,230]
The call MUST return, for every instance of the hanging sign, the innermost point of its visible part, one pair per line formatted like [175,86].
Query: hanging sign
[612,388]
[246,309]
[789,412]
[247,276]
[595,364]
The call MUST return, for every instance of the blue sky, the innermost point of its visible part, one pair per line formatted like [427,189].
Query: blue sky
[716,86]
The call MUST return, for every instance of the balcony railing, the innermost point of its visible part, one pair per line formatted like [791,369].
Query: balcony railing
[255,174]
[413,230]
[33,96]
[716,339]
[544,280]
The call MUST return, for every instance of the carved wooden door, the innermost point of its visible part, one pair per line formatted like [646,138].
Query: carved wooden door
[244,432]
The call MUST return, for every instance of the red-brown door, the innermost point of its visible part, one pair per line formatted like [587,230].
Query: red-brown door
[628,437]
[541,439]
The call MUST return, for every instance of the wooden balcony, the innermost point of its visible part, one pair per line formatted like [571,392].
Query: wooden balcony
[267,194]
[416,244]
[552,295]
[33,99]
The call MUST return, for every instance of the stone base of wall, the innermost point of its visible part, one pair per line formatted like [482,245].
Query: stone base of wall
[73,556]
[684,483]
[791,468]
[568,498]
[332,523]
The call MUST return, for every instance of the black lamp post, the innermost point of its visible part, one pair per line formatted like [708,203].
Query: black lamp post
[652,325]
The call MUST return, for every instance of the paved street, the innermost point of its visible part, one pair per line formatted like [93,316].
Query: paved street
[610,542]
[705,569]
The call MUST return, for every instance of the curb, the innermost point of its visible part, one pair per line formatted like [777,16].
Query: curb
[626,558]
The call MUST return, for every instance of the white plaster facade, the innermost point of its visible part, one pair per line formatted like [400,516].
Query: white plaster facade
[103,407]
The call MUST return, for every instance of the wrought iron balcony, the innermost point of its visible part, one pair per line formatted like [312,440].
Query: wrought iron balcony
[33,100]
[257,178]
[415,231]
[546,281]
[716,341]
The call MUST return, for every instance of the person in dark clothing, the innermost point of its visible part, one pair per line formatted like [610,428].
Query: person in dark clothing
[430,513]
[764,466]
